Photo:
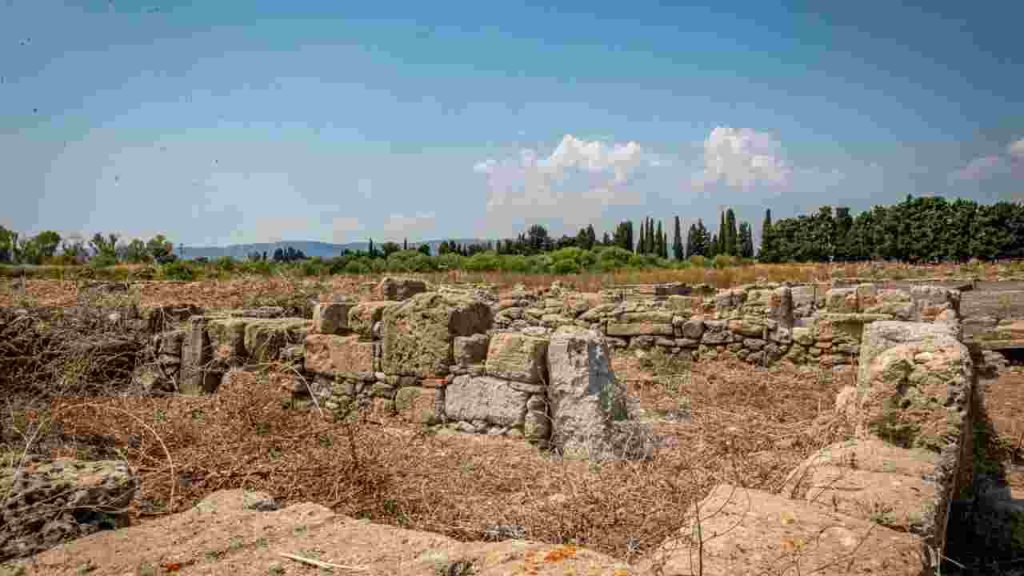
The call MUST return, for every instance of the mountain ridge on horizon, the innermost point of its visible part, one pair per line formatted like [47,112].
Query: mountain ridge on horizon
[311,248]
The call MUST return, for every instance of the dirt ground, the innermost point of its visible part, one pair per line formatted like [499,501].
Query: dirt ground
[718,422]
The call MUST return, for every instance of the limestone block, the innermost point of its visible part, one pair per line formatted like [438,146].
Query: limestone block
[693,329]
[266,338]
[589,410]
[331,317]
[420,405]
[470,350]
[485,398]
[516,356]
[417,333]
[363,316]
[744,531]
[398,289]
[334,355]
[616,328]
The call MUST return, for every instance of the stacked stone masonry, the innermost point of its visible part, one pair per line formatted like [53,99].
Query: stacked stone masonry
[483,364]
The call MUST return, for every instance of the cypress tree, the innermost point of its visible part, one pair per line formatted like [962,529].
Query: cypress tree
[729,244]
[767,252]
[677,241]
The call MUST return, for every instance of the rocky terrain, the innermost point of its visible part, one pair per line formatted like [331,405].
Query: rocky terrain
[539,367]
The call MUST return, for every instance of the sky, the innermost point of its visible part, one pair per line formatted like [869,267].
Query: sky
[229,122]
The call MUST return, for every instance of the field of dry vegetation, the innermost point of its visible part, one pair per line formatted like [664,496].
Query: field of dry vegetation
[717,422]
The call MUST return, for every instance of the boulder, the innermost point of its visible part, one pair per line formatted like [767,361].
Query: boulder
[398,289]
[590,414]
[470,350]
[417,333]
[485,398]
[333,355]
[53,502]
[331,317]
[516,356]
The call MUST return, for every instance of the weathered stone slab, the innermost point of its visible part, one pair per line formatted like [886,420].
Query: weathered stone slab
[589,410]
[331,317]
[747,532]
[639,329]
[338,355]
[517,356]
[871,480]
[484,398]
[266,338]
[417,333]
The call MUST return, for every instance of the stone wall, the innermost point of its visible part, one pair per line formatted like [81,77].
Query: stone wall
[877,503]
[761,324]
[477,363]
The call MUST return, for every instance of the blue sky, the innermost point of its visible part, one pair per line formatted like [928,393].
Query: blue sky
[221,122]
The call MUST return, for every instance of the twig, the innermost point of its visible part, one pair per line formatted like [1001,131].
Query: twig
[320,563]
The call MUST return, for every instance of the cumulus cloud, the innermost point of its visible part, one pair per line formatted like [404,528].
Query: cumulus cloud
[1016,149]
[575,183]
[979,169]
[399,226]
[985,167]
[742,158]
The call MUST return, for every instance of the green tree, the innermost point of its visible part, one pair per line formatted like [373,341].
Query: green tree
[677,242]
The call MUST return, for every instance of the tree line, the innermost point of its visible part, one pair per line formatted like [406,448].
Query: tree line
[48,247]
[916,230]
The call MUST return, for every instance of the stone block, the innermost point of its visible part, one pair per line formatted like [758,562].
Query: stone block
[914,381]
[363,316]
[516,356]
[693,329]
[485,398]
[418,333]
[590,414]
[266,338]
[419,405]
[227,340]
[744,531]
[331,317]
[842,300]
[616,328]
[338,355]
[397,289]
[470,350]
[716,332]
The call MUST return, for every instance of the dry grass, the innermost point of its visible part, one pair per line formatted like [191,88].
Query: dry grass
[241,291]
[749,428]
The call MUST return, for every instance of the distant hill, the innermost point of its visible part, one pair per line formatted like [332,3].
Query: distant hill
[308,247]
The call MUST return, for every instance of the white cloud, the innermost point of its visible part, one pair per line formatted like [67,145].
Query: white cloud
[1016,149]
[576,183]
[400,226]
[742,158]
[979,169]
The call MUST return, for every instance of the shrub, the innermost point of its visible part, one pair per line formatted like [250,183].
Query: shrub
[177,270]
